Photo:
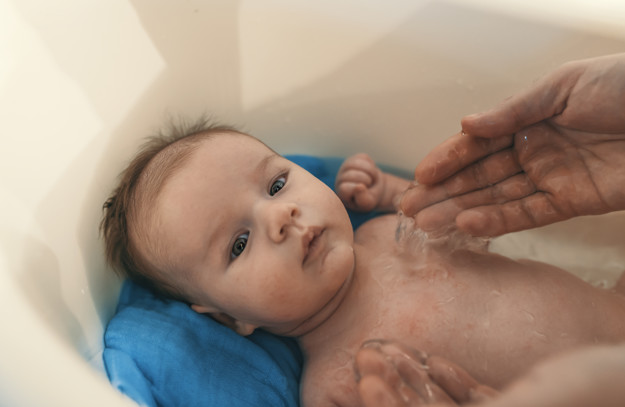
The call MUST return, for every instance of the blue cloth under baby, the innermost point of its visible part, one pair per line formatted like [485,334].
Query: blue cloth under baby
[161,353]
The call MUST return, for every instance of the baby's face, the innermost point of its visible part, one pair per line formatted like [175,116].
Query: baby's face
[255,236]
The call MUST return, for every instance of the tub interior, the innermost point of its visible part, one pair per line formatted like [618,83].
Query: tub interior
[83,82]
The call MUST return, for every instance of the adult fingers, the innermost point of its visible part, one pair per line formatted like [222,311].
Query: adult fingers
[543,100]
[371,362]
[375,392]
[410,363]
[456,153]
[457,382]
[487,200]
[401,377]
[532,211]
[489,171]
[418,382]
[379,382]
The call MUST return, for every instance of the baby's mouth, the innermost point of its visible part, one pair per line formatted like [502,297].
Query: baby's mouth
[311,242]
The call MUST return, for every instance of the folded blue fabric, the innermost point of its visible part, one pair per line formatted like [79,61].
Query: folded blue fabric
[162,353]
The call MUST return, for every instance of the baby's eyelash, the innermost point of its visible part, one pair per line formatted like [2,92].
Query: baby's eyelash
[277,184]
[239,245]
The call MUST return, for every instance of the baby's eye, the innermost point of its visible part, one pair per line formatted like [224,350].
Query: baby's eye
[277,185]
[239,246]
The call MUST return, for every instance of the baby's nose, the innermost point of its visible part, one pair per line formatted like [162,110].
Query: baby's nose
[280,217]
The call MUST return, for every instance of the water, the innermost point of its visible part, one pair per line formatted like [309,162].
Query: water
[413,240]
[580,248]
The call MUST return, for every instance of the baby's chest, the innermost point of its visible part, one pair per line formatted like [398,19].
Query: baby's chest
[405,297]
[330,377]
[411,315]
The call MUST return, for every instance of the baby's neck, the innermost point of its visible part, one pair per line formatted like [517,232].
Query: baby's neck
[328,321]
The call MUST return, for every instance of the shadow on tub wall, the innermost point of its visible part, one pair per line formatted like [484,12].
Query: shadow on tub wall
[131,80]
[41,282]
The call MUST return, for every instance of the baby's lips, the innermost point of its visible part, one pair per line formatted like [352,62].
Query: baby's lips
[309,235]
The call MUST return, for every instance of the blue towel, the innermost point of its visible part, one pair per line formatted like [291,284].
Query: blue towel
[162,353]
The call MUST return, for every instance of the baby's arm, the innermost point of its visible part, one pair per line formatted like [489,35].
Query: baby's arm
[363,186]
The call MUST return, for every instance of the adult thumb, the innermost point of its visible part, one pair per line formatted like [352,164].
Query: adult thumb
[543,100]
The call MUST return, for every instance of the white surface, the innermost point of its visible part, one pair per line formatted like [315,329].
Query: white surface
[82,82]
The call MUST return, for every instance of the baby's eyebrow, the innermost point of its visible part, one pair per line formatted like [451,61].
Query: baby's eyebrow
[264,163]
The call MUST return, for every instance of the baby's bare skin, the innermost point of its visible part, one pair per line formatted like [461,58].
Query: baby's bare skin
[275,250]
[493,316]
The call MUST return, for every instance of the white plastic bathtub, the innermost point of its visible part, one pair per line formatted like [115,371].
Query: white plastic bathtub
[81,82]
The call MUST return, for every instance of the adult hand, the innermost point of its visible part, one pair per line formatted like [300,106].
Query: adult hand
[552,152]
[393,375]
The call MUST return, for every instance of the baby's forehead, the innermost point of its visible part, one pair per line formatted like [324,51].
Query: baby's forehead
[176,157]
[162,167]
[208,172]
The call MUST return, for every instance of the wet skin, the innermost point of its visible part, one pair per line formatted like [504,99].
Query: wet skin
[257,242]
[491,315]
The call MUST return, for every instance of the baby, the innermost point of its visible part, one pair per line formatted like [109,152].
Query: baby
[218,219]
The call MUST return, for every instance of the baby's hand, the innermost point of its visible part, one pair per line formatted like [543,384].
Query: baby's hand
[360,183]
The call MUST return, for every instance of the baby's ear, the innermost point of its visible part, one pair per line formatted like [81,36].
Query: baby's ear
[242,328]
[202,309]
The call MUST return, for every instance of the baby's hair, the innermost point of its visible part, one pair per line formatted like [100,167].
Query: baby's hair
[127,211]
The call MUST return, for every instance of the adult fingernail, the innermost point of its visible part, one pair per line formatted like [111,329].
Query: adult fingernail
[373,343]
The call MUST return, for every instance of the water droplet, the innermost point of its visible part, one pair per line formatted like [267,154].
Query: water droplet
[530,316]
[605,284]
[447,301]
[541,335]
[415,240]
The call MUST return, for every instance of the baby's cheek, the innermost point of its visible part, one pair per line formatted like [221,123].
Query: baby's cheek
[338,264]
[281,296]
